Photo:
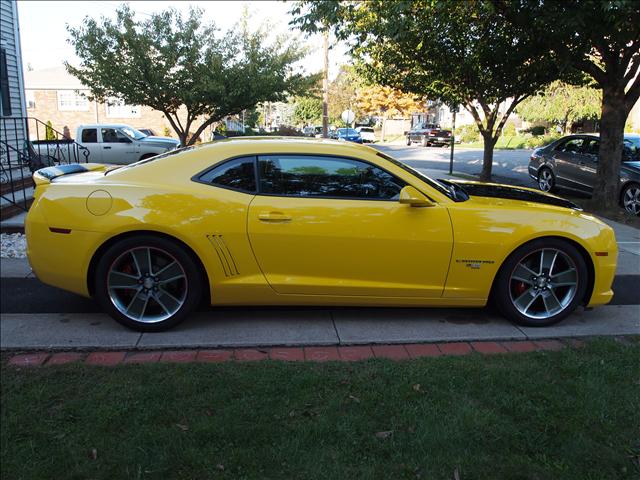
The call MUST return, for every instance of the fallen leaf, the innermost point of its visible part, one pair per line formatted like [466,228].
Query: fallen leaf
[456,474]
[355,399]
[209,412]
[220,466]
[292,413]
[385,434]
[182,427]
[417,388]
[93,454]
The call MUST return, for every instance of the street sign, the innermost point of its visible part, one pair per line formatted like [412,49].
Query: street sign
[348,117]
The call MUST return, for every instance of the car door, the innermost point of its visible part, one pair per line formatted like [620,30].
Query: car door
[566,156]
[117,147]
[89,140]
[324,225]
[587,166]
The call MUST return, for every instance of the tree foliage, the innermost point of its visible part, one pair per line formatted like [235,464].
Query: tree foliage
[342,91]
[461,52]
[562,104]
[307,110]
[380,100]
[169,63]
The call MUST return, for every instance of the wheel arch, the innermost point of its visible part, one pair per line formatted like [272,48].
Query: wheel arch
[206,293]
[583,252]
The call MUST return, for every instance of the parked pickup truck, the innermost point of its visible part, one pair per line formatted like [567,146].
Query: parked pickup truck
[109,143]
[427,134]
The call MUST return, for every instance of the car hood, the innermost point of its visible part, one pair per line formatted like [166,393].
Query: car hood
[508,192]
[159,141]
[633,166]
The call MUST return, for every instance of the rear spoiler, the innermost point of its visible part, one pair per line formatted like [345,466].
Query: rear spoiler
[46,175]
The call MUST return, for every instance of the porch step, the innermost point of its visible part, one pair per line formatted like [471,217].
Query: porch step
[15,224]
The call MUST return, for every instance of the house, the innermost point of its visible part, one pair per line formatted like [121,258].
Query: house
[12,101]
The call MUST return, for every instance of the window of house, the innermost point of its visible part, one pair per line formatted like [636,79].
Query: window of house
[118,109]
[30,99]
[72,100]
[332,177]
[5,97]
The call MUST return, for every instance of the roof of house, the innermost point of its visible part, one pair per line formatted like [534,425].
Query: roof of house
[56,78]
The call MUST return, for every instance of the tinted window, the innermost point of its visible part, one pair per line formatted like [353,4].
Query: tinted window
[309,176]
[238,174]
[90,135]
[573,145]
[111,135]
[631,149]
[591,147]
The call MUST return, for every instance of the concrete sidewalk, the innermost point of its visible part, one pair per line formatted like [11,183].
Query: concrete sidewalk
[243,327]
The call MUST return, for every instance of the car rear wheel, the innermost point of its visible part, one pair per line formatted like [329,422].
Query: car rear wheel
[148,283]
[541,283]
[546,180]
[631,198]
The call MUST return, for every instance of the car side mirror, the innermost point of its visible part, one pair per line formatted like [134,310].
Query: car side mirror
[411,196]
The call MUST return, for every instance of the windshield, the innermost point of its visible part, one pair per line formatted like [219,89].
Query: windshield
[133,133]
[446,190]
[631,149]
[347,131]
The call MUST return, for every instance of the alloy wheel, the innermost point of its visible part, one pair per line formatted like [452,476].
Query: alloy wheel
[543,283]
[545,180]
[147,284]
[631,199]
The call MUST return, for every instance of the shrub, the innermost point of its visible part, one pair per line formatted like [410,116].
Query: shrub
[536,130]
[468,133]
[509,129]
[166,131]
[541,140]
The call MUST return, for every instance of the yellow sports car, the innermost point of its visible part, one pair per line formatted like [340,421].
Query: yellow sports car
[286,221]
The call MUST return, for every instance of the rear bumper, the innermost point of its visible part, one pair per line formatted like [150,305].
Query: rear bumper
[439,140]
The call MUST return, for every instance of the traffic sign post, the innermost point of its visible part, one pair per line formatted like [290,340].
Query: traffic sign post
[454,110]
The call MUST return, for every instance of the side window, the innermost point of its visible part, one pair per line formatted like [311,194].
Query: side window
[111,135]
[90,135]
[237,174]
[630,151]
[592,147]
[334,177]
[573,145]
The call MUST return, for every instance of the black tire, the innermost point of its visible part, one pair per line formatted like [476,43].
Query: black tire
[147,155]
[546,177]
[505,285]
[408,141]
[191,286]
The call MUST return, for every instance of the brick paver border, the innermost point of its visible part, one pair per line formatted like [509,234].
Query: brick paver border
[398,352]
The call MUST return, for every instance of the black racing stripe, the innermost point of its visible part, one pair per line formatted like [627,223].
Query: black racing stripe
[55,172]
[514,193]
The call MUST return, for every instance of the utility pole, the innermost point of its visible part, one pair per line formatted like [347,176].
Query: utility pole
[325,86]
[453,139]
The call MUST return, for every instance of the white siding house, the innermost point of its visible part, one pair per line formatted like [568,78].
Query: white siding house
[12,100]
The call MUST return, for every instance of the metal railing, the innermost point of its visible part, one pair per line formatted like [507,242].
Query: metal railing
[27,144]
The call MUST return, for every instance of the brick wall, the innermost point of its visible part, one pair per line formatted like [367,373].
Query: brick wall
[46,109]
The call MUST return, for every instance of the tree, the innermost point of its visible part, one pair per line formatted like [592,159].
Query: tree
[342,91]
[562,104]
[461,52]
[49,134]
[602,39]
[173,64]
[307,110]
[385,102]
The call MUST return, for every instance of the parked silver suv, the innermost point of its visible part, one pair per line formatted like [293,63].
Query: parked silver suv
[571,163]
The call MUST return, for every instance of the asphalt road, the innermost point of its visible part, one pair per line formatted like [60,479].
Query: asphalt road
[509,166]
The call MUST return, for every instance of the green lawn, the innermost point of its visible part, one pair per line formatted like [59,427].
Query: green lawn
[573,414]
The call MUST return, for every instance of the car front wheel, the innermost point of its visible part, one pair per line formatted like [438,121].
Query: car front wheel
[631,199]
[148,283]
[541,283]
[546,180]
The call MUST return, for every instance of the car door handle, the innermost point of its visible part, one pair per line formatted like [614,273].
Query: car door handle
[274,217]
[107,148]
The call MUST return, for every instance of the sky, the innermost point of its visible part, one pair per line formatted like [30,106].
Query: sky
[44,36]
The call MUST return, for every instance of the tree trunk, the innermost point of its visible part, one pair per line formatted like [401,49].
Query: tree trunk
[606,191]
[487,157]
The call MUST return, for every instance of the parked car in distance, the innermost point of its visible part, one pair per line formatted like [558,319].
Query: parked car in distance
[367,134]
[147,131]
[347,135]
[217,136]
[298,221]
[427,134]
[571,163]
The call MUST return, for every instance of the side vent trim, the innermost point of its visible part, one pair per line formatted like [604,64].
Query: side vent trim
[224,255]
